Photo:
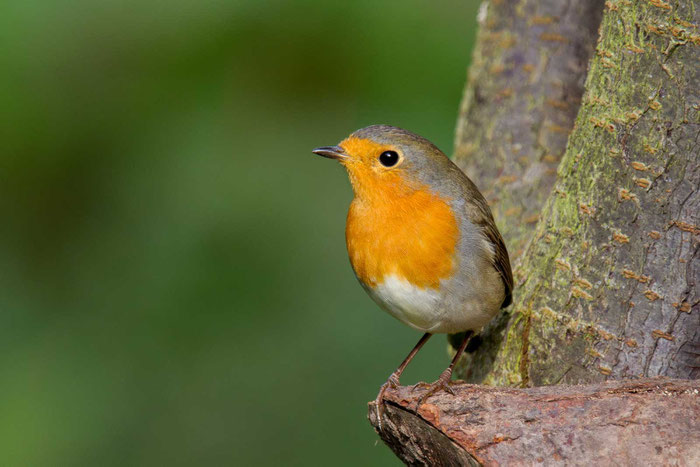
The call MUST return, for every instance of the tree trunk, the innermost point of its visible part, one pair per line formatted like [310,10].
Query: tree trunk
[608,286]
[520,102]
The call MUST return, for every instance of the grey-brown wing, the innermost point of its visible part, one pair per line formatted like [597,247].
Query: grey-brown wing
[500,260]
[479,214]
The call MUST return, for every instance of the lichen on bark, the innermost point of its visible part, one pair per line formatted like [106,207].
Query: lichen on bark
[520,102]
[608,286]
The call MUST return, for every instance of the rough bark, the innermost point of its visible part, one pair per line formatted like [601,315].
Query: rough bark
[608,288]
[520,102]
[523,92]
[650,422]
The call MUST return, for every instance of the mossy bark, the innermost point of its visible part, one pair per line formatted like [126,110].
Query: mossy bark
[520,102]
[607,286]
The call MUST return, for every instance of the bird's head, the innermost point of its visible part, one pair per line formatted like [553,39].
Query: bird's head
[383,160]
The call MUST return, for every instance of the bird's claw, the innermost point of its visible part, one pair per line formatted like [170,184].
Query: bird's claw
[442,383]
[393,383]
[420,384]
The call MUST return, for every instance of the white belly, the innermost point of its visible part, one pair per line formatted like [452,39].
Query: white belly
[426,309]
[418,307]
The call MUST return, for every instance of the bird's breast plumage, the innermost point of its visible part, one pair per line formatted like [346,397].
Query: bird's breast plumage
[410,235]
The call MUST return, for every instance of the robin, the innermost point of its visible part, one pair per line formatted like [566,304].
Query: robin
[421,240]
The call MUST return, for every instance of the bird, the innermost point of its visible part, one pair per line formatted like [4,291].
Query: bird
[421,241]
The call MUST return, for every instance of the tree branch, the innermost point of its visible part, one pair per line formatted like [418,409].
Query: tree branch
[611,423]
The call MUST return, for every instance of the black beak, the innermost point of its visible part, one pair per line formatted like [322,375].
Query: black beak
[331,152]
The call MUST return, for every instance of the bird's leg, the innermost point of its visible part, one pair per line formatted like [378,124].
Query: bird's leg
[443,382]
[393,380]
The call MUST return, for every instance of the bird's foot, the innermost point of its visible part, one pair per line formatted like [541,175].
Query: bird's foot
[419,385]
[442,384]
[393,383]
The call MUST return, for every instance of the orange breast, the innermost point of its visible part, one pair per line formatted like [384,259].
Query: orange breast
[410,233]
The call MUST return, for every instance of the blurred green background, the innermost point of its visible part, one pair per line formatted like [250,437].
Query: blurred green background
[174,285]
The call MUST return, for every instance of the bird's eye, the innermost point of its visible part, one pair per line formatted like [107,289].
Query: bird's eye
[389,158]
